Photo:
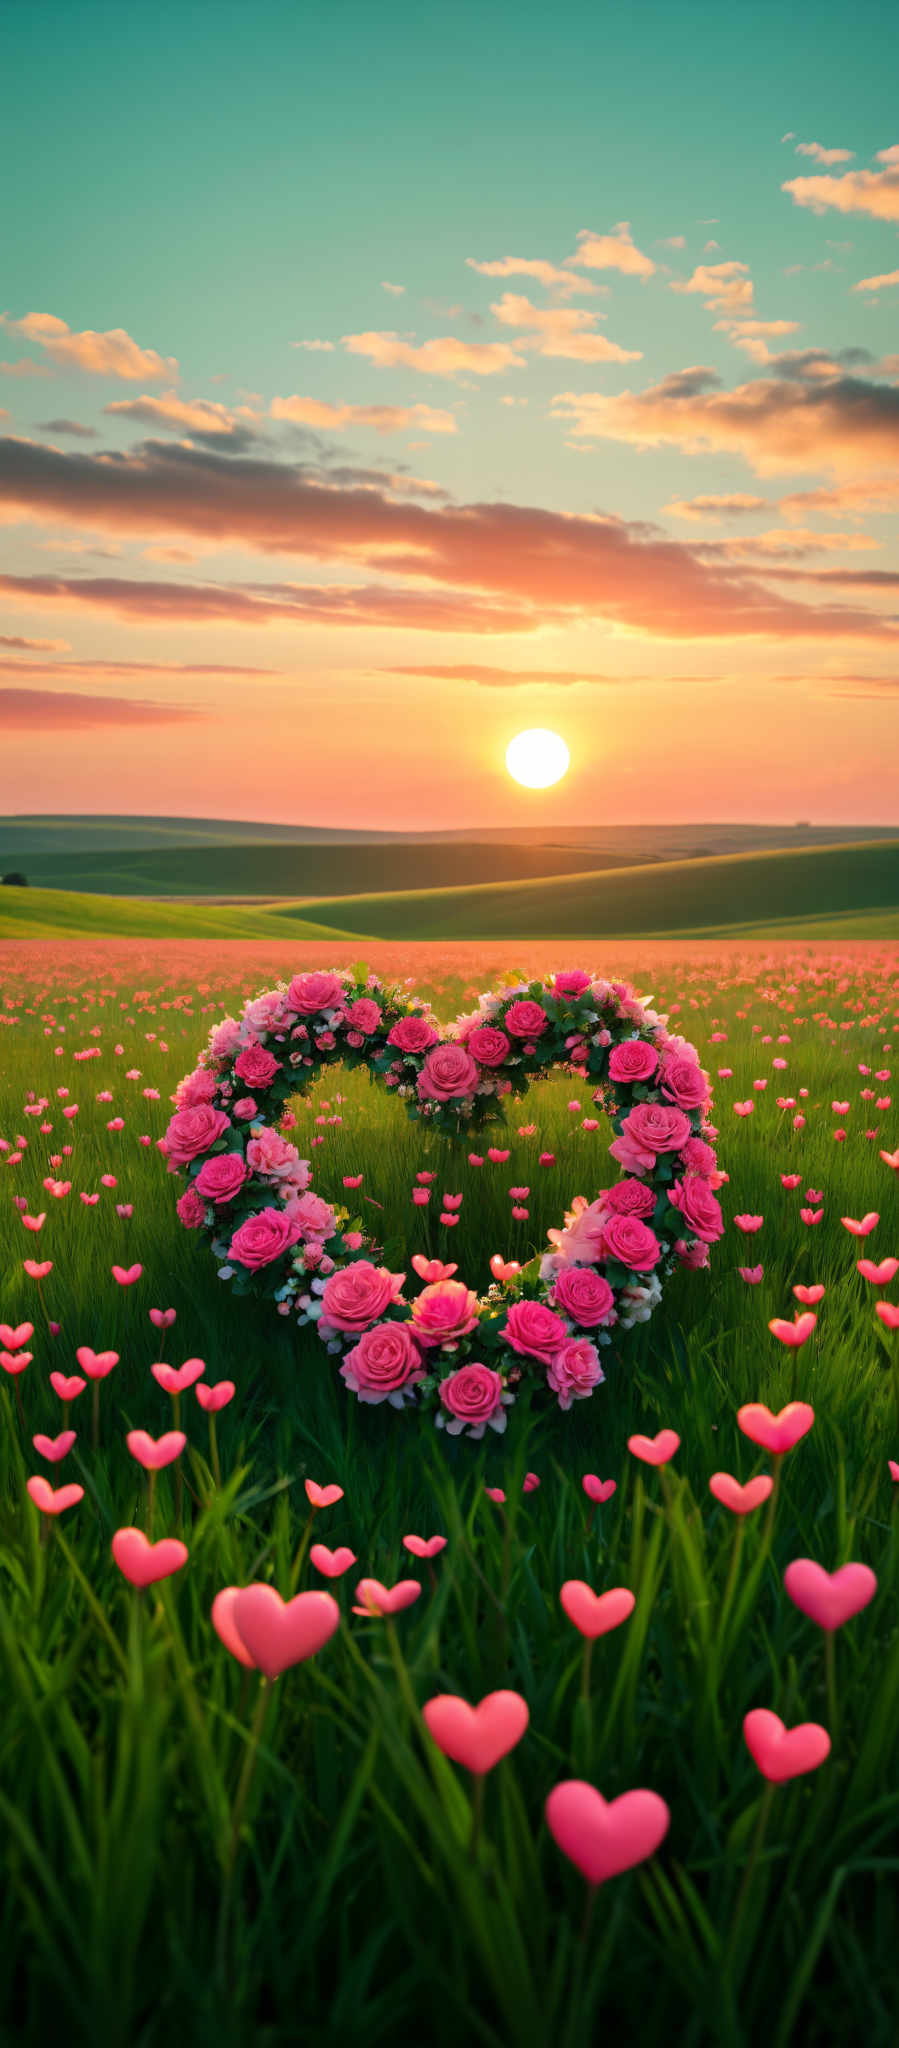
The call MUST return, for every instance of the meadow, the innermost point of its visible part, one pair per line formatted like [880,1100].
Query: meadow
[196,1851]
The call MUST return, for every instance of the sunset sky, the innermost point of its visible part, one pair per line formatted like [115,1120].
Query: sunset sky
[379,379]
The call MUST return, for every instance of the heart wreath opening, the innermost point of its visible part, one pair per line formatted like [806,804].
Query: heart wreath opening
[450,1351]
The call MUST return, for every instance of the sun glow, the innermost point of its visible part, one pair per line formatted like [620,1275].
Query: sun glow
[537,758]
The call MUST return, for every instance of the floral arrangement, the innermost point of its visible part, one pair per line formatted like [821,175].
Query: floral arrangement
[460,1355]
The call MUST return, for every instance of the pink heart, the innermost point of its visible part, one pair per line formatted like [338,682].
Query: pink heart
[780,1752]
[595,1613]
[55,1447]
[11,1338]
[476,1736]
[655,1450]
[332,1563]
[155,1453]
[603,1837]
[67,1389]
[163,1318]
[223,1623]
[424,1546]
[96,1363]
[15,1361]
[215,1397]
[143,1562]
[740,1499]
[829,1598]
[177,1381]
[598,1489]
[378,1599]
[278,1633]
[322,1496]
[776,1433]
[126,1275]
[50,1502]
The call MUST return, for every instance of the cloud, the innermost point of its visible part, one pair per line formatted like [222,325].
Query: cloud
[313,345]
[824,156]
[39,646]
[777,424]
[445,357]
[201,416]
[876,284]
[42,711]
[548,274]
[782,544]
[482,567]
[89,668]
[561,331]
[25,367]
[112,354]
[503,678]
[875,193]
[72,427]
[724,286]
[396,290]
[712,506]
[386,419]
[674,242]
[841,501]
[616,251]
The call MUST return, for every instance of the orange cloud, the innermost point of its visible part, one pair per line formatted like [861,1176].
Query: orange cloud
[44,711]
[842,501]
[548,274]
[305,604]
[192,415]
[616,251]
[561,331]
[325,346]
[445,357]
[713,504]
[38,646]
[835,422]
[25,368]
[724,286]
[876,284]
[112,354]
[386,419]
[875,193]
[824,156]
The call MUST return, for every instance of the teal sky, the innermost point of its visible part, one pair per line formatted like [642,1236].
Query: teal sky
[222,185]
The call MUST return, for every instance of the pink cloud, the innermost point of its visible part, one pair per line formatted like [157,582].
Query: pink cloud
[42,711]
[112,354]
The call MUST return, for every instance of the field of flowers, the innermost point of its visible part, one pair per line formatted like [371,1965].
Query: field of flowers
[588,1726]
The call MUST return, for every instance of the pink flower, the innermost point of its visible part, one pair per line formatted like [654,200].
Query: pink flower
[262,1238]
[698,1207]
[269,1153]
[630,1198]
[684,1082]
[220,1177]
[572,983]
[312,1213]
[448,1074]
[256,1065]
[488,1045]
[190,1209]
[192,1131]
[698,1157]
[534,1331]
[363,1015]
[412,1034]
[632,1061]
[574,1371]
[309,993]
[585,1295]
[384,1361]
[197,1087]
[582,1238]
[653,1128]
[444,1312]
[525,1020]
[473,1396]
[632,1242]
[245,1108]
[225,1039]
[751,1274]
[359,1295]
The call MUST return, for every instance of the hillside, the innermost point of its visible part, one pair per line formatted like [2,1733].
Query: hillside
[254,870]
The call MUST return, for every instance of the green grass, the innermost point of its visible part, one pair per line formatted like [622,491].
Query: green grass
[353,1910]
[317,870]
[51,913]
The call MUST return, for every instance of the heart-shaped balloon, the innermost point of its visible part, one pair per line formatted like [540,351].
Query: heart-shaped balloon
[829,1598]
[780,1752]
[248,1189]
[278,1633]
[595,1613]
[143,1562]
[476,1736]
[603,1837]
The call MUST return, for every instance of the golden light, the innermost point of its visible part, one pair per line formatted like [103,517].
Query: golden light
[537,758]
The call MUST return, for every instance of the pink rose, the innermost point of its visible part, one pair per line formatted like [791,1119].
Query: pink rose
[311,992]
[652,1128]
[385,1359]
[358,1296]
[199,1086]
[684,1082]
[225,1039]
[695,1256]
[325,1041]
[473,1395]
[585,1295]
[262,1239]
[634,1158]
[220,1177]
[632,1061]
[192,1131]
[449,1073]
[363,1015]
[582,1237]
[698,1207]
[412,1034]
[632,1243]
[315,1216]
[245,1108]
[630,1198]
[533,1330]
[256,1065]
[698,1157]
[575,1371]
[572,983]
[265,1011]
[488,1045]
[190,1209]
[269,1153]
[525,1019]
[444,1312]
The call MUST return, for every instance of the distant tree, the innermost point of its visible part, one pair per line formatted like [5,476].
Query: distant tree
[16,879]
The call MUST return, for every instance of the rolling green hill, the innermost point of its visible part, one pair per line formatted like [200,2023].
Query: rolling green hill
[260,870]
[63,913]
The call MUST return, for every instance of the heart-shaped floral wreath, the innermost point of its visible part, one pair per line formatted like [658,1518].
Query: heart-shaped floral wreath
[460,1354]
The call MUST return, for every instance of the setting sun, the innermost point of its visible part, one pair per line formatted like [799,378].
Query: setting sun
[537,758]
